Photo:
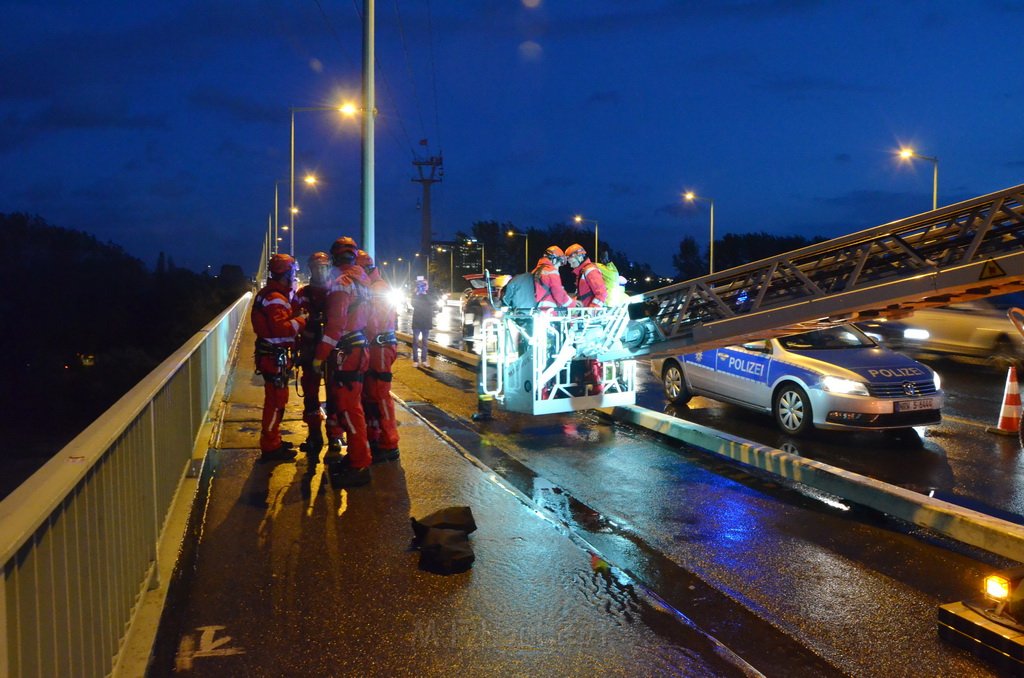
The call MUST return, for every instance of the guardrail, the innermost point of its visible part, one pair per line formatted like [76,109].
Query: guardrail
[78,539]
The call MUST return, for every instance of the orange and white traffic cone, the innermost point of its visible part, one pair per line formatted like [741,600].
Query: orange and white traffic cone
[1009,416]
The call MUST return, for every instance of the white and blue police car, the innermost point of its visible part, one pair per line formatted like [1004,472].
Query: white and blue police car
[832,378]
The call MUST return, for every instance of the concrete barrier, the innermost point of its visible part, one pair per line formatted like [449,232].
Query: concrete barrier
[962,524]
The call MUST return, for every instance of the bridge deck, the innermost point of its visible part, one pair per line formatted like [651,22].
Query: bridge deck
[286,575]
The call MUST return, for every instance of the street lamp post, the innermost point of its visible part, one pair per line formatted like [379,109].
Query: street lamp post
[344,109]
[580,220]
[451,265]
[526,247]
[690,196]
[276,211]
[909,154]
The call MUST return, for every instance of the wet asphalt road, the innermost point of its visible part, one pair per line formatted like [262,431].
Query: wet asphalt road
[838,580]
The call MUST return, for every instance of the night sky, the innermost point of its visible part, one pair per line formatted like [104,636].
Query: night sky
[164,126]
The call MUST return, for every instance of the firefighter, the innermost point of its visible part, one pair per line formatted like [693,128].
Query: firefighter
[277,323]
[547,282]
[344,343]
[591,292]
[311,299]
[379,408]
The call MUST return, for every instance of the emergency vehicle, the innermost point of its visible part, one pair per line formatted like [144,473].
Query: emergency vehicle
[968,250]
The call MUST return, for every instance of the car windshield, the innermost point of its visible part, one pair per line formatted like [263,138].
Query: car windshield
[841,336]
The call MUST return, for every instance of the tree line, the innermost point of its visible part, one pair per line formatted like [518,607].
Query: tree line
[505,254]
[86,322]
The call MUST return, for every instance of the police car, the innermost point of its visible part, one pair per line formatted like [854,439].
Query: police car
[834,378]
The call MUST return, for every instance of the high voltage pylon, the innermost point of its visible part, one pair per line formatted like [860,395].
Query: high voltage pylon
[430,171]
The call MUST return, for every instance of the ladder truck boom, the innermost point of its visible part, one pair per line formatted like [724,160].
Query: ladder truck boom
[534,362]
[964,251]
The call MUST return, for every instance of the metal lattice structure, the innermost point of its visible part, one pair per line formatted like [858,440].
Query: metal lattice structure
[968,250]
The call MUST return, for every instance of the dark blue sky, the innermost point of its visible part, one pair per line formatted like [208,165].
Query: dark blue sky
[163,126]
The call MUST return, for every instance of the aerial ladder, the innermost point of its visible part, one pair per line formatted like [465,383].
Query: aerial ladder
[533,362]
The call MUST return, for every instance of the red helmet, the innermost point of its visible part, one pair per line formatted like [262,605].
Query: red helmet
[555,254]
[343,251]
[575,248]
[364,259]
[319,262]
[280,264]
[319,259]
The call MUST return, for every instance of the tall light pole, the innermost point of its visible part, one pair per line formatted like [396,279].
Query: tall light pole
[276,212]
[690,196]
[345,109]
[909,154]
[451,265]
[369,112]
[580,220]
[526,247]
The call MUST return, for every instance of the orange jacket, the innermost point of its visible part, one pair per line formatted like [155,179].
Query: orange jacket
[383,318]
[547,286]
[590,288]
[312,299]
[347,310]
[273,317]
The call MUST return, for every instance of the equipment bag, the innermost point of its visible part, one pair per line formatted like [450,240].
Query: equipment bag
[519,292]
[614,283]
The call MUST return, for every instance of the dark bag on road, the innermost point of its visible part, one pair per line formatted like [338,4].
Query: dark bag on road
[443,540]
[452,518]
[445,552]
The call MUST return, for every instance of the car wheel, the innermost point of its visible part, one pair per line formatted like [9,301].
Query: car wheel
[792,410]
[674,384]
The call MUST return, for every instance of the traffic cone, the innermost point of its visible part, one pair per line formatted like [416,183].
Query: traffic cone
[1009,416]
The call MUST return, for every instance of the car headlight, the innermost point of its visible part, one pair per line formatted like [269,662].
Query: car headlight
[845,386]
[938,381]
[915,334]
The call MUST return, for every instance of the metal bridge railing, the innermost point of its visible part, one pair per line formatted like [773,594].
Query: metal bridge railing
[78,539]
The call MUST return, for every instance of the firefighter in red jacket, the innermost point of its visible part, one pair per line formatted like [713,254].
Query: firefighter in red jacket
[276,323]
[591,292]
[311,299]
[547,282]
[378,406]
[344,343]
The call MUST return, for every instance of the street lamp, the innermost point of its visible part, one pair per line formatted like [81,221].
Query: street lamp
[690,196]
[526,249]
[908,154]
[346,109]
[276,211]
[580,220]
[451,265]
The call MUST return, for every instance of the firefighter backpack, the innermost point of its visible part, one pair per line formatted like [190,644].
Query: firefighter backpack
[613,282]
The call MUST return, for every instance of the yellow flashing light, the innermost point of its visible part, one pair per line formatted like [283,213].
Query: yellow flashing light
[997,587]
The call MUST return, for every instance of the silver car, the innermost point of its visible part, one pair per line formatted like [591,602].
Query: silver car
[834,378]
[978,331]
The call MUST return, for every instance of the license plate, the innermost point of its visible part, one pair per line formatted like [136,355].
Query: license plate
[911,405]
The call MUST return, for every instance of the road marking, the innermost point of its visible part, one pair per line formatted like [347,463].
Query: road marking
[208,647]
[961,420]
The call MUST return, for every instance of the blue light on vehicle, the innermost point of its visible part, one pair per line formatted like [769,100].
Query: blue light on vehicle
[916,333]
[843,386]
